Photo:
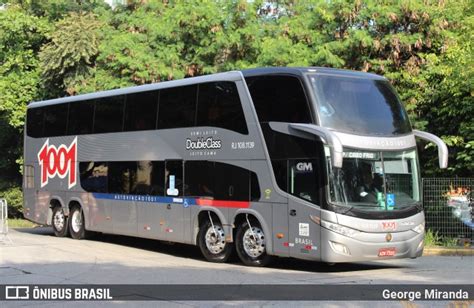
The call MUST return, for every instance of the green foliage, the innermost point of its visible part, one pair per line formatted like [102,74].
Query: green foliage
[14,198]
[67,59]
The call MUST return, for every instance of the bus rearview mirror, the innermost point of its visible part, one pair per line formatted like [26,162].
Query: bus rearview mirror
[328,137]
[442,147]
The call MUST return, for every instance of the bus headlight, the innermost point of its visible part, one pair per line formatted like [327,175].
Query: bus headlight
[339,229]
[420,228]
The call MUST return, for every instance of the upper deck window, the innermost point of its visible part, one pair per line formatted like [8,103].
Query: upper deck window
[55,120]
[279,98]
[81,117]
[141,111]
[359,106]
[214,104]
[108,115]
[219,106]
[177,107]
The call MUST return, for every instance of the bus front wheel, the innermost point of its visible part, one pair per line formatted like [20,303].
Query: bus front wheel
[211,240]
[60,222]
[76,224]
[251,244]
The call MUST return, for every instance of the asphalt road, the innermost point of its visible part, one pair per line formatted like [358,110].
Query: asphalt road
[36,256]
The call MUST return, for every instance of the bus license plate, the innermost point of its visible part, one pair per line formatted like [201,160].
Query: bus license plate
[387,252]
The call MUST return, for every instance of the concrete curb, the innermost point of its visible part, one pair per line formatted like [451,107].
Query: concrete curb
[443,251]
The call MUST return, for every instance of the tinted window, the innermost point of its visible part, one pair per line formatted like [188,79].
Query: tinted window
[283,146]
[303,179]
[220,181]
[94,176]
[279,98]
[108,115]
[55,120]
[361,106]
[81,115]
[141,111]
[219,105]
[121,177]
[174,178]
[177,107]
[149,178]
[254,187]
[34,127]
[200,178]
[295,163]
[233,182]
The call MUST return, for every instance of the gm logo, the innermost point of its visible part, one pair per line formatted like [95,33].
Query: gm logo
[17,292]
[304,167]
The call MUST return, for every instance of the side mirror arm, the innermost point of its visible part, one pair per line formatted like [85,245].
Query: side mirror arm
[442,148]
[328,137]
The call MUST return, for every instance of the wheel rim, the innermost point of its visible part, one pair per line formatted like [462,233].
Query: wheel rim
[254,242]
[215,239]
[58,220]
[76,221]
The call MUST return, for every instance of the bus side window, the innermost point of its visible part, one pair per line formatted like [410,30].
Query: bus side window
[55,120]
[121,177]
[141,111]
[81,116]
[177,107]
[233,183]
[94,176]
[108,115]
[279,99]
[200,179]
[35,122]
[219,106]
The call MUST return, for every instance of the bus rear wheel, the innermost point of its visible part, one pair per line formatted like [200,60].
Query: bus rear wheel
[76,224]
[60,222]
[251,244]
[211,241]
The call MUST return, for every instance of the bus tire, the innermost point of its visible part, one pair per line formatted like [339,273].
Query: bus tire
[251,244]
[60,222]
[77,228]
[212,242]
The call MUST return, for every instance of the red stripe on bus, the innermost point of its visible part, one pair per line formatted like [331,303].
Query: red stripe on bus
[223,203]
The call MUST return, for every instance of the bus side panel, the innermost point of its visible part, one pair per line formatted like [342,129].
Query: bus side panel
[150,219]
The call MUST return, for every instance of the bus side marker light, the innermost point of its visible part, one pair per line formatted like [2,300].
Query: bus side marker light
[315,219]
[280,235]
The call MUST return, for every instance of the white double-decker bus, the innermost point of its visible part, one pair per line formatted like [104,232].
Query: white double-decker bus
[311,163]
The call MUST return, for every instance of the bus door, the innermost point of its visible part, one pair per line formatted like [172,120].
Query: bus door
[303,184]
[173,218]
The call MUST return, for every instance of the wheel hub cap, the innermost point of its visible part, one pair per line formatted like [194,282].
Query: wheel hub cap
[254,242]
[215,239]
[59,220]
[76,222]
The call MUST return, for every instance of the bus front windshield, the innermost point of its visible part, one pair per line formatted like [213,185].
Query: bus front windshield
[375,180]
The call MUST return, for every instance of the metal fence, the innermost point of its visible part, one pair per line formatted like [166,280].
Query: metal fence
[448,205]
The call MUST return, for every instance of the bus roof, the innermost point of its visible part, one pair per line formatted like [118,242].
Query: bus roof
[229,76]
[308,70]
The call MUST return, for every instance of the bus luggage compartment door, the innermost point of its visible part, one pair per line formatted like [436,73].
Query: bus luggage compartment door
[305,234]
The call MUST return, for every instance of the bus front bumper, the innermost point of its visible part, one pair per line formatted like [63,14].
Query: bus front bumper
[370,246]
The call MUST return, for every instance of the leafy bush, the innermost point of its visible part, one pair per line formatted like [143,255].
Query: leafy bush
[14,198]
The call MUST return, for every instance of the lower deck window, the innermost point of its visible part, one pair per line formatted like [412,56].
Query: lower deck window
[204,179]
